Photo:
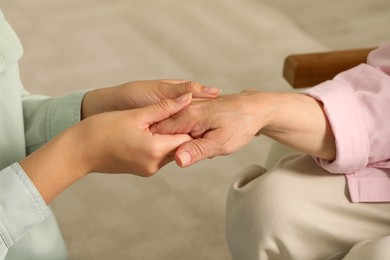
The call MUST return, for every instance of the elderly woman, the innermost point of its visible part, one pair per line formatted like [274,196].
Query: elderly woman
[305,207]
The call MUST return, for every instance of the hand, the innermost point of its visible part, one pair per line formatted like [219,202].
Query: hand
[141,93]
[121,141]
[225,124]
[112,142]
[221,126]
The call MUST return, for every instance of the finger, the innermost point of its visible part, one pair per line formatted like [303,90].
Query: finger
[169,144]
[198,90]
[195,150]
[181,87]
[164,109]
[172,126]
[174,81]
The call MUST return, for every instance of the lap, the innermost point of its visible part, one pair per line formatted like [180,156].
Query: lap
[299,211]
[378,249]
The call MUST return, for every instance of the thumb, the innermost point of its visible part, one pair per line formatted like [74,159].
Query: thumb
[165,108]
[194,151]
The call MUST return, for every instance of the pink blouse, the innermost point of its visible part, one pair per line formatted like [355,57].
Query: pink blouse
[357,104]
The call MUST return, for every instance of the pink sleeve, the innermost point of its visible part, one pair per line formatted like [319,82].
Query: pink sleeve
[357,104]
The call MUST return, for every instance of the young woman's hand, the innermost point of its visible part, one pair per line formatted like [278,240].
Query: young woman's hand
[121,141]
[141,93]
[111,142]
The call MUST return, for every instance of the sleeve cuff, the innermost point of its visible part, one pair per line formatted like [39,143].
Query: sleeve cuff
[343,112]
[63,113]
[23,207]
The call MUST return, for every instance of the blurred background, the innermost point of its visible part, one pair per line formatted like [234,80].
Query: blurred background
[235,45]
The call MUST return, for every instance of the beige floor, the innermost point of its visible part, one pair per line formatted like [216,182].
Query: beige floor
[178,214]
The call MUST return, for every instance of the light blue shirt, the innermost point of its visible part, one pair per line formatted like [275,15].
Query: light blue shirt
[26,123]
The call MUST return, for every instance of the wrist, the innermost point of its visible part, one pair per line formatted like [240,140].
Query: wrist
[56,165]
[266,108]
[287,112]
[300,122]
[93,103]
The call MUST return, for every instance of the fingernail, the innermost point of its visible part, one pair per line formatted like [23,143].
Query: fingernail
[213,91]
[185,158]
[184,98]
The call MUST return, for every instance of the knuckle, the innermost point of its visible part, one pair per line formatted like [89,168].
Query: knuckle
[198,131]
[226,147]
[192,112]
[164,105]
[200,150]
[191,86]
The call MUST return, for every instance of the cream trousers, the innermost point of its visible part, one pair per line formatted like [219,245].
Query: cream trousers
[298,211]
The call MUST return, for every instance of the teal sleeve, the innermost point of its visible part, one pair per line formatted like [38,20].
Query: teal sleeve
[46,117]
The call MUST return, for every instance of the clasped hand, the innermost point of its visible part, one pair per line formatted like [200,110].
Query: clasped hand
[115,131]
[225,124]
[219,126]
[114,135]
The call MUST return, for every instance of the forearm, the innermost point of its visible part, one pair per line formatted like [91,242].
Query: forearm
[299,121]
[56,165]
[112,142]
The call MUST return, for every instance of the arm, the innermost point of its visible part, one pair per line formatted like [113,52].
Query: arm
[342,122]
[301,123]
[57,158]
[46,117]
[112,137]
[357,102]
[226,124]
[112,142]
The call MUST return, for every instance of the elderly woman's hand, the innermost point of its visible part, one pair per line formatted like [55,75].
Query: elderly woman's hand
[220,126]
[225,124]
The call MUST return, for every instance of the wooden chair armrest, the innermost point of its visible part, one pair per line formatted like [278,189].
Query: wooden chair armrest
[306,70]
